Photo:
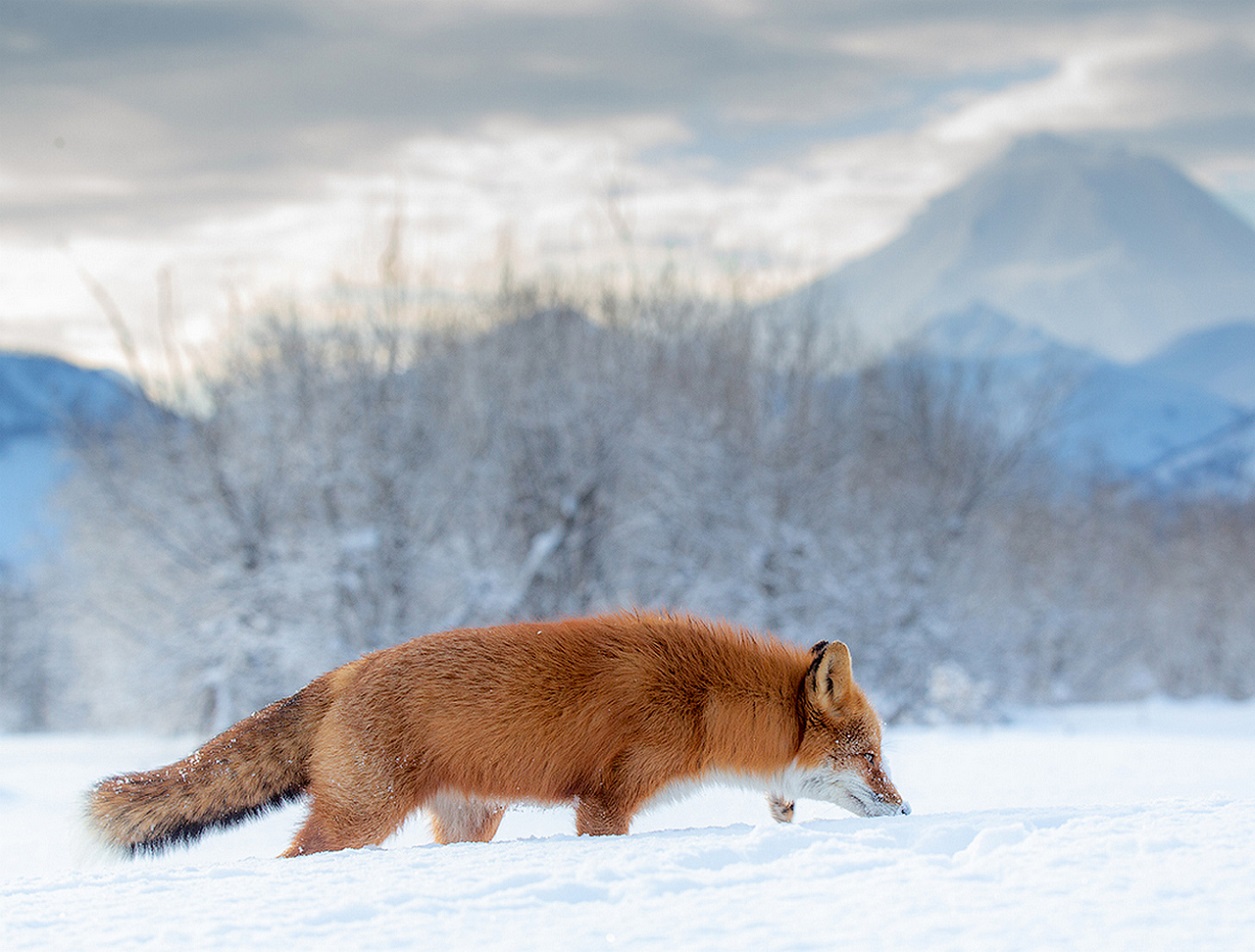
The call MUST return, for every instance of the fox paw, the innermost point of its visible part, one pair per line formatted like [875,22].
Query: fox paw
[781,809]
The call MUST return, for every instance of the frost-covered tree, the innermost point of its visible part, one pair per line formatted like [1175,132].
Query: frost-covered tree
[25,664]
[348,483]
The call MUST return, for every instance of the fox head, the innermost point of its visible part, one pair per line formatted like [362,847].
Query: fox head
[839,759]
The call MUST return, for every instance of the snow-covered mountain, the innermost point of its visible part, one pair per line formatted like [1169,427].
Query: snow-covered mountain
[1170,431]
[1220,360]
[43,403]
[40,395]
[1100,247]
[1221,463]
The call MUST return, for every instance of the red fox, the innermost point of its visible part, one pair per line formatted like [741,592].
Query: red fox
[607,713]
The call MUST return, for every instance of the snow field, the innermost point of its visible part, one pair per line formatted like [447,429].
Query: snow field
[1087,828]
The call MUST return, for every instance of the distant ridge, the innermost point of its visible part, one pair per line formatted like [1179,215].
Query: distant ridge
[1101,247]
[40,394]
[1108,421]
[1218,359]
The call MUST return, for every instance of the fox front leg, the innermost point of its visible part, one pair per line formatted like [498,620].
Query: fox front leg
[781,809]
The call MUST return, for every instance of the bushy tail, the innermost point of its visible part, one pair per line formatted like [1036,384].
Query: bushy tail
[256,765]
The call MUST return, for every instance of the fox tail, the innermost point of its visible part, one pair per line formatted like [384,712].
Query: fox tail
[256,765]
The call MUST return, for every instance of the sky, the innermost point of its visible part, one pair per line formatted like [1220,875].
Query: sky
[195,158]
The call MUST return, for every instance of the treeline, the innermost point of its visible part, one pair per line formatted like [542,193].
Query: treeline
[347,484]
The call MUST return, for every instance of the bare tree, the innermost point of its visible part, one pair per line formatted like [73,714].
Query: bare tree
[351,482]
[25,664]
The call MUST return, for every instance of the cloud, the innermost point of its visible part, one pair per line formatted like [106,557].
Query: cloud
[804,132]
[120,114]
[265,94]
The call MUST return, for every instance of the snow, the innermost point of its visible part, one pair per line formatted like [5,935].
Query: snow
[1096,827]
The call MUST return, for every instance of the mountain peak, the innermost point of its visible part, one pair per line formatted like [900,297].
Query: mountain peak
[1100,246]
[1052,148]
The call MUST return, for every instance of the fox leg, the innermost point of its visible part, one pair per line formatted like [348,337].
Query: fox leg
[458,819]
[781,808]
[608,808]
[601,815]
[356,802]
[333,825]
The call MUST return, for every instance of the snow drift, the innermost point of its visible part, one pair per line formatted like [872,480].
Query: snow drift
[1112,828]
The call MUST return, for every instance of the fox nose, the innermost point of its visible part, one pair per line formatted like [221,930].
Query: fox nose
[905,809]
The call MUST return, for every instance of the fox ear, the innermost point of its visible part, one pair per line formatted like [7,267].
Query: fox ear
[830,677]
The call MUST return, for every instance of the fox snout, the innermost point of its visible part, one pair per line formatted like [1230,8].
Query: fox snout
[881,805]
[887,808]
[894,802]
[872,794]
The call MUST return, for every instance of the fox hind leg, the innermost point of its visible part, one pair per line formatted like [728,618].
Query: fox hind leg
[460,819]
[336,825]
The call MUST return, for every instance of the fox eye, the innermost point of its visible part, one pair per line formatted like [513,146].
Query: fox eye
[870,758]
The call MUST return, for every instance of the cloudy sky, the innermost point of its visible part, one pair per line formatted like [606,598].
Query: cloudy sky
[241,147]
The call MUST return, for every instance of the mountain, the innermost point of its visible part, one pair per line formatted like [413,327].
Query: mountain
[1126,422]
[1221,464]
[40,395]
[1218,359]
[45,403]
[1097,417]
[1096,245]
[982,332]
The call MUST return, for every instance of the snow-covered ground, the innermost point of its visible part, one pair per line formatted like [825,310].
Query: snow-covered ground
[1126,827]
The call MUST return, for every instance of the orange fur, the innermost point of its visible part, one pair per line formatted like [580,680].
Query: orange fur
[604,712]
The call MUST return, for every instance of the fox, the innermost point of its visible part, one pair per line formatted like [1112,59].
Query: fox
[608,713]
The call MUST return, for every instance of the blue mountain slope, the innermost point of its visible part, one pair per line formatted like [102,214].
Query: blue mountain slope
[1223,463]
[1220,360]
[30,468]
[42,395]
[1128,421]
[44,403]
[1096,417]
